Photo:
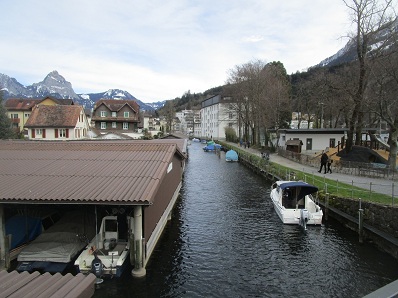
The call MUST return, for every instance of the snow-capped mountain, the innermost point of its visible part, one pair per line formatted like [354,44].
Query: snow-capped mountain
[55,85]
[383,39]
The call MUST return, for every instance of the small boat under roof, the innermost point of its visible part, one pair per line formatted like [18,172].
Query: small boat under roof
[294,203]
[108,253]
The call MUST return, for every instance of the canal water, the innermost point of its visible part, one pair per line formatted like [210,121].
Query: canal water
[225,240]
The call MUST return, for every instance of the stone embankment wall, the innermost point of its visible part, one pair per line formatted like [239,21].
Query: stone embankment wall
[381,217]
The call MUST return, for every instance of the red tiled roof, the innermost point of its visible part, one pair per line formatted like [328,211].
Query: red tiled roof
[115,105]
[100,172]
[54,116]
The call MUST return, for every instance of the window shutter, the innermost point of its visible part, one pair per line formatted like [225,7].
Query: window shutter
[44,133]
[67,133]
[56,133]
[33,133]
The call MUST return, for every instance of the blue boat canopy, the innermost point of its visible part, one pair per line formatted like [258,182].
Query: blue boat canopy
[305,188]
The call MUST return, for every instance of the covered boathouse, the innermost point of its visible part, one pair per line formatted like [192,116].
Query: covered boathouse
[138,178]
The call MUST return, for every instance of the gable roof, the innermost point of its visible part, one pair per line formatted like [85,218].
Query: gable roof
[90,172]
[21,104]
[54,116]
[60,101]
[115,105]
[26,104]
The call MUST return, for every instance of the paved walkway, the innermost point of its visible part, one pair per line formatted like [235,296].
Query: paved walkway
[382,186]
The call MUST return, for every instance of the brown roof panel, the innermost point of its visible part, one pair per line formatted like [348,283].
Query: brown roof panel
[54,116]
[83,171]
[24,284]
[20,104]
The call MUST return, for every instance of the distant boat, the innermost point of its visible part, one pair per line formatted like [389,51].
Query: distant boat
[212,147]
[294,203]
[231,155]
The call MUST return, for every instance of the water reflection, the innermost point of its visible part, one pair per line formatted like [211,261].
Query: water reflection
[225,240]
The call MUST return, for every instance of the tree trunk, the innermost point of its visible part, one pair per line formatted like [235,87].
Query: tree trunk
[392,158]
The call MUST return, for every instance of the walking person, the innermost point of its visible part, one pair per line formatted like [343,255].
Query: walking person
[329,170]
[324,160]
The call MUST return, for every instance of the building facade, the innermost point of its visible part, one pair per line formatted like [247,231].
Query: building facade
[57,122]
[113,115]
[217,113]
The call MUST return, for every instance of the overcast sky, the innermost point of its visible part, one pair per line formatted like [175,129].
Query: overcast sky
[159,49]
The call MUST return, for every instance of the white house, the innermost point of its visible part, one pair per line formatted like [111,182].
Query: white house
[313,139]
[57,122]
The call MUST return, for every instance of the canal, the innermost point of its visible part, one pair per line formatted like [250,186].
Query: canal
[225,240]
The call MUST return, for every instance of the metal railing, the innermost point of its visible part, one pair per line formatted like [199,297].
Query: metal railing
[372,170]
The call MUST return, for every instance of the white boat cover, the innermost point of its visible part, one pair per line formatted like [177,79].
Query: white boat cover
[62,242]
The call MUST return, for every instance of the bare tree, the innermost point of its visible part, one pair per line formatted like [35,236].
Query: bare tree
[383,97]
[369,17]
[169,113]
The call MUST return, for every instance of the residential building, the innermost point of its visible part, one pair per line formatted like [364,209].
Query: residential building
[57,122]
[19,109]
[113,115]
[217,113]
[313,140]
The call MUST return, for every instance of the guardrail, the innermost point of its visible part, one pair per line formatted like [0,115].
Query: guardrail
[372,170]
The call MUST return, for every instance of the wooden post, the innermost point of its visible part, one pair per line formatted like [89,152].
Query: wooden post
[326,206]
[360,225]
[3,239]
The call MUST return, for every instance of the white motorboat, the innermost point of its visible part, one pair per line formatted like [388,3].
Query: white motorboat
[109,251]
[294,203]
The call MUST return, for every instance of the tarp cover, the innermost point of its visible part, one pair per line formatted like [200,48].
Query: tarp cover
[305,188]
[231,155]
[23,229]
[61,242]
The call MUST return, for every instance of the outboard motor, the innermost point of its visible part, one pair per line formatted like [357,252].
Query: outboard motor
[304,216]
[96,268]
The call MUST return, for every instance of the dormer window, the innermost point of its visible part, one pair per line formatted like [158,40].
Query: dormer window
[114,114]
[103,114]
[126,114]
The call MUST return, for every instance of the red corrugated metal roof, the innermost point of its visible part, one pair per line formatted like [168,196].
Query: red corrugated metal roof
[128,172]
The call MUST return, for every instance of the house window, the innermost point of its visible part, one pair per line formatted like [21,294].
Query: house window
[126,114]
[103,125]
[27,115]
[39,131]
[125,125]
[62,133]
[103,114]
[14,116]
[231,115]
[113,124]
[113,114]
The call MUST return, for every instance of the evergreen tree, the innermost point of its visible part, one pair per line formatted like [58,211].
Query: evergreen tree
[5,124]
